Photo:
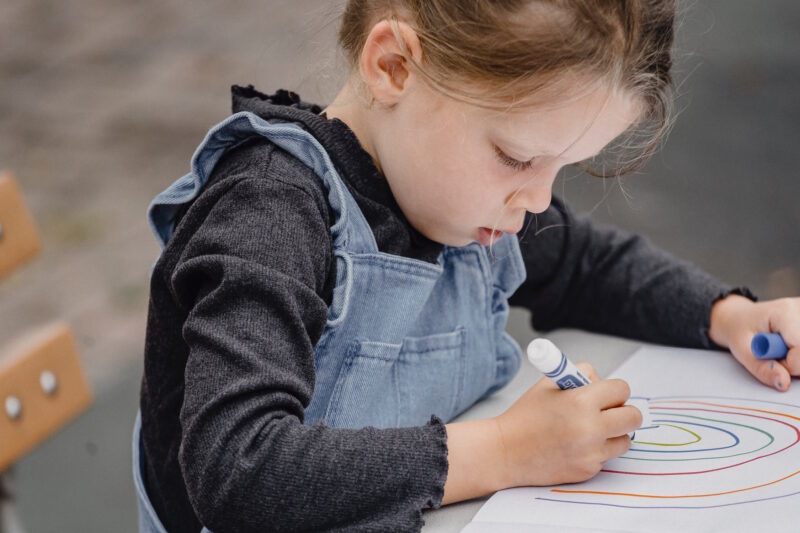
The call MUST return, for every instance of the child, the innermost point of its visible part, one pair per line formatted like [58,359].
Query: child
[335,283]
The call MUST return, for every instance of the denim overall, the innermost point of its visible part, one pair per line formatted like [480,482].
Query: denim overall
[404,339]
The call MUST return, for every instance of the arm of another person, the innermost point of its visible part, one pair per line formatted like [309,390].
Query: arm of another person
[251,278]
[602,279]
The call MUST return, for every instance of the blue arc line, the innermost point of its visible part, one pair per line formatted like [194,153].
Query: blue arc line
[735,438]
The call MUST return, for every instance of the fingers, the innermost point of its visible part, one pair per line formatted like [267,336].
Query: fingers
[770,373]
[784,318]
[792,361]
[588,371]
[609,393]
[616,446]
[620,421]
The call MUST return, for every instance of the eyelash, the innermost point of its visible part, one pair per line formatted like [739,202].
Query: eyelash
[511,162]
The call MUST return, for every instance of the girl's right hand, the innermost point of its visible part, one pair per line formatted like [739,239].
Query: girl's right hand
[552,436]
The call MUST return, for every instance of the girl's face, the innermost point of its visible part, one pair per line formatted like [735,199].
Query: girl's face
[458,170]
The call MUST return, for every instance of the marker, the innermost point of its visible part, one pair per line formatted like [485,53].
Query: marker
[552,362]
[769,346]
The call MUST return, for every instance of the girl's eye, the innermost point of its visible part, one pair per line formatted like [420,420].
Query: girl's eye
[511,162]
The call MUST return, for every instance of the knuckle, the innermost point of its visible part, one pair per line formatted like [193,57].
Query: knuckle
[788,305]
[582,400]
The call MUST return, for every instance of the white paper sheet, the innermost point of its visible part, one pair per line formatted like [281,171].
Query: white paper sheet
[723,454]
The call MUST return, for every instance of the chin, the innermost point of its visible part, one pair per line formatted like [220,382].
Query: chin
[459,242]
[454,241]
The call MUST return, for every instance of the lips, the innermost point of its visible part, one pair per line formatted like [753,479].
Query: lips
[487,236]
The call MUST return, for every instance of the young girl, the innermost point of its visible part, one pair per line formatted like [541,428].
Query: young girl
[335,283]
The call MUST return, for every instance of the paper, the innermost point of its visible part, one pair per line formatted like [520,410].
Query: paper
[721,454]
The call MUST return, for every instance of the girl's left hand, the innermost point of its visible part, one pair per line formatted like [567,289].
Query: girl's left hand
[736,319]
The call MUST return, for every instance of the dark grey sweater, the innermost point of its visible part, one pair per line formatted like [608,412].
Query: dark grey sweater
[240,296]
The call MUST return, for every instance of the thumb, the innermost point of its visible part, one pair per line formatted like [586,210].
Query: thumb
[770,373]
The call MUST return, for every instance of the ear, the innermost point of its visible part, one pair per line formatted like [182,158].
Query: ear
[384,66]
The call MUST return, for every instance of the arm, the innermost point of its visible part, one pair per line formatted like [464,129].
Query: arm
[251,278]
[602,279]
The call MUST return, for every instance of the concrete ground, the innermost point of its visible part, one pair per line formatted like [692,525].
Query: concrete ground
[103,101]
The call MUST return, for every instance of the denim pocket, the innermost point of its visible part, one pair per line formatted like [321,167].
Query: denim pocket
[399,385]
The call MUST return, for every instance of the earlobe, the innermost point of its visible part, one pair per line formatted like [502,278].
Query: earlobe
[384,64]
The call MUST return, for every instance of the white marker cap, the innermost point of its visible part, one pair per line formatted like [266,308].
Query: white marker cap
[544,355]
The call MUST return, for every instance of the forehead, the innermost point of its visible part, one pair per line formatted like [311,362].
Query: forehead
[572,128]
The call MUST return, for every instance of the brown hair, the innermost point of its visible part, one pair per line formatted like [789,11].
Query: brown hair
[502,54]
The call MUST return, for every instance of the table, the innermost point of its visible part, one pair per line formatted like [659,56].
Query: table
[604,352]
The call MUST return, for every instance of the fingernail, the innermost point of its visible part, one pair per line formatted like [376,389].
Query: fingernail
[771,365]
[778,384]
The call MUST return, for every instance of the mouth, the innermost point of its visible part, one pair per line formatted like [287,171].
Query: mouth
[487,236]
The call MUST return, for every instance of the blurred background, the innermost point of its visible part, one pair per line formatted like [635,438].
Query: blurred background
[102,103]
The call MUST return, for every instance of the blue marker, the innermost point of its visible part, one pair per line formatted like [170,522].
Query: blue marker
[552,362]
[769,346]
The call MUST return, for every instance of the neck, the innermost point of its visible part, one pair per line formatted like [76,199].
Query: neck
[350,108]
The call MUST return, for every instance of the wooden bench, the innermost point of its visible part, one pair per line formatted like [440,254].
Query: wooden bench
[42,383]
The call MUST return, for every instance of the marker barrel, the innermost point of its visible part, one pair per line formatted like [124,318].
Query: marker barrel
[769,346]
[552,362]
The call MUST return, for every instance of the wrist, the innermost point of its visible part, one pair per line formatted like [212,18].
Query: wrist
[723,317]
[476,459]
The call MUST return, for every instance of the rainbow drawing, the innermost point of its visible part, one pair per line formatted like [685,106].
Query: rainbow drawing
[704,452]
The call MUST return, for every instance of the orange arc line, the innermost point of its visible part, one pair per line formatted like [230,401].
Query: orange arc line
[567,491]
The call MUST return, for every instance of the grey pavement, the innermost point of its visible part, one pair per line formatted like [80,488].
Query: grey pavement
[103,101]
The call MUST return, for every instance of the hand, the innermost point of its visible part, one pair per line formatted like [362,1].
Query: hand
[734,322]
[550,436]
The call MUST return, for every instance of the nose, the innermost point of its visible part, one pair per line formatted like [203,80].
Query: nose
[535,194]
[532,197]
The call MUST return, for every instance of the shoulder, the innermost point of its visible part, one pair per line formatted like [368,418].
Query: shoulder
[258,179]
[260,203]
[266,167]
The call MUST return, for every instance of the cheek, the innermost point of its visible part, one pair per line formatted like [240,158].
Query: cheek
[465,184]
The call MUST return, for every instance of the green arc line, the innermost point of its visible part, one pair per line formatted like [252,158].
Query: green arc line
[769,436]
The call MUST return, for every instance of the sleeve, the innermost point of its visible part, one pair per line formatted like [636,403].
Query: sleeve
[251,280]
[585,275]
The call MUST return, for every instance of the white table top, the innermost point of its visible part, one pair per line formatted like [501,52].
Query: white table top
[604,352]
